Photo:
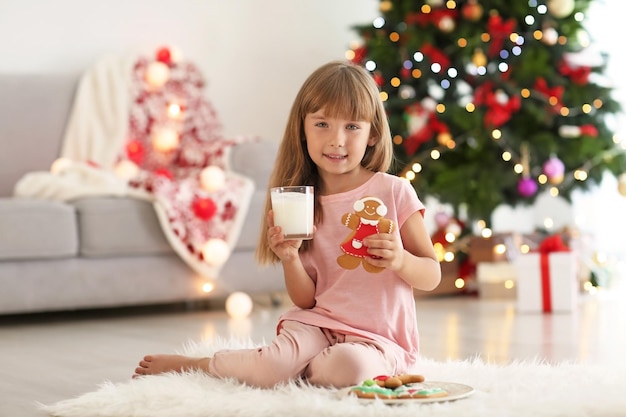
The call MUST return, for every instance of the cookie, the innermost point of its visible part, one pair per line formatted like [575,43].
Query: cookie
[397,380]
[387,388]
[367,219]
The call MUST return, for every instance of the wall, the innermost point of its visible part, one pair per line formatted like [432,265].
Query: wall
[254,54]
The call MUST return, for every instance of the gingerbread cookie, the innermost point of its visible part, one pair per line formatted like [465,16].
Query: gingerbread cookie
[386,387]
[397,380]
[367,219]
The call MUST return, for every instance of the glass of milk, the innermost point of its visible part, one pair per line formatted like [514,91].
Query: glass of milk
[293,210]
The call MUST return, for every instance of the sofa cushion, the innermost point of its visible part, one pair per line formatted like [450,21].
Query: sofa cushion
[118,226]
[32,229]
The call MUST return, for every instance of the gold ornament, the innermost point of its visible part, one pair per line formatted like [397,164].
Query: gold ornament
[560,8]
[385,6]
[479,58]
[556,180]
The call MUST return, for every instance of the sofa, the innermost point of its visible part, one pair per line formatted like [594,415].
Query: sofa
[101,252]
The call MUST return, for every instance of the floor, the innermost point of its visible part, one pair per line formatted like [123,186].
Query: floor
[47,358]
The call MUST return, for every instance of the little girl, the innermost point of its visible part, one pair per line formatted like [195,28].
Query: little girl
[351,285]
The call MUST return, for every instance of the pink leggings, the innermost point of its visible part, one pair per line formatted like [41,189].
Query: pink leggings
[323,357]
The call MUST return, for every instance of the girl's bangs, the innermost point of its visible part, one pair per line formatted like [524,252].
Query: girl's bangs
[345,99]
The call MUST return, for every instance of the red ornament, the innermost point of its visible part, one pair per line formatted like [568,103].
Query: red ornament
[204,208]
[472,11]
[589,130]
[379,80]
[164,55]
[135,151]
[359,55]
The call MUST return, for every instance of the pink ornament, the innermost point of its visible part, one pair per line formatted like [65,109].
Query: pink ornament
[442,219]
[527,187]
[553,168]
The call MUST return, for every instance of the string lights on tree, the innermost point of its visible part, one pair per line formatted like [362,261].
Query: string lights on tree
[491,102]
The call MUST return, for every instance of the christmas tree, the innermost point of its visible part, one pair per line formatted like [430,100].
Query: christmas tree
[491,102]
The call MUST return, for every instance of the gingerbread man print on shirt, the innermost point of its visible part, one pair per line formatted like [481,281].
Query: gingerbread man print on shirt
[367,219]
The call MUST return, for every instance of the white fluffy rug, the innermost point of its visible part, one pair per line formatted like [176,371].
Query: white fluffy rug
[520,389]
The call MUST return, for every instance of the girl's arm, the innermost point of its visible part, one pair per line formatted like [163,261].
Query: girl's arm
[300,286]
[412,255]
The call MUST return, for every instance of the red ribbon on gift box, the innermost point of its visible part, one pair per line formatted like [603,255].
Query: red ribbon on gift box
[548,245]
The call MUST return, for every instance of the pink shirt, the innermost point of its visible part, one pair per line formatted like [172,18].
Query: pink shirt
[378,306]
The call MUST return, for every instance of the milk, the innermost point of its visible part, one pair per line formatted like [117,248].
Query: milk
[293,211]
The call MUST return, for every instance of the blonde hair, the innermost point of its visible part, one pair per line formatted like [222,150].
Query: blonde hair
[343,90]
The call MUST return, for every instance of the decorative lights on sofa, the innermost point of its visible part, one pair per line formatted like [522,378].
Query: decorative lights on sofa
[151,156]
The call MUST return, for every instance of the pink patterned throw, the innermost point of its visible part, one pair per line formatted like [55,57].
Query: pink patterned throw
[142,127]
[179,108]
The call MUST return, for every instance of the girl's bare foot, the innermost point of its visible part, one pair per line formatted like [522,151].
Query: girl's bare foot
[157,364]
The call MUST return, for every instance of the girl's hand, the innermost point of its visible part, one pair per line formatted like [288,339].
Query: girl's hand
[286,250]
[385,250]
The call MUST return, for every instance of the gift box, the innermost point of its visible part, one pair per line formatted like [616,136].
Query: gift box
[496,248]
[547,282]
[496,280]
